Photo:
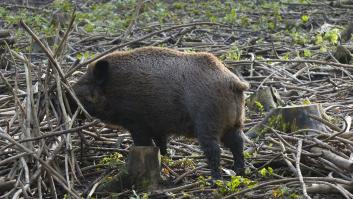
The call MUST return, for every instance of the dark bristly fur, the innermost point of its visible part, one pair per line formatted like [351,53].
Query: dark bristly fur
[155,92]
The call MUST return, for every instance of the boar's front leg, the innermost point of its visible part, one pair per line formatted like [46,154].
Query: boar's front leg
[141,136]
[207,138]
[233,140]
[161,142]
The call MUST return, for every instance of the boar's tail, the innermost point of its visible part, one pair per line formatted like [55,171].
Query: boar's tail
[240,85]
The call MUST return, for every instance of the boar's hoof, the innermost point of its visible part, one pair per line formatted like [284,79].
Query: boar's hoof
[216,175]
[239,167]
[239,171]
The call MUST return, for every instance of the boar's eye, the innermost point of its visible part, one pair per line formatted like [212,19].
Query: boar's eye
[90,97]
[93,96]
[100,71]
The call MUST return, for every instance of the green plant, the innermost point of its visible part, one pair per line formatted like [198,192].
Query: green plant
[211,16]
[307,53]
[233,54]
[184,163]
[231,17]
[247,154]
[304,18]
[319,39]
[85,55]
[271,25]
[266,172]
[63,5]
[3,12]
[244,21]
[306,101]
[203,181]
[285,56]
[179,5]
[181,163]
[103,16]
[332,35]
[304,1]
[233,185]
[89,27]
[299,38]
[277,122]
[259,106]
[284,192]
[138,196]
[166,160]
[189,50]
[114,160]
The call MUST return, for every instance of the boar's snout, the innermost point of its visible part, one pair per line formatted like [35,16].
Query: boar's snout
[89,91]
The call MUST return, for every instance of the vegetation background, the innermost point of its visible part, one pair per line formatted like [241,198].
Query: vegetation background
[301,49]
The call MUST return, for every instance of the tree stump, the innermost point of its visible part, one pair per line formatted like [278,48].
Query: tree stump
[346,34]
[264,99]
[60,18]
[5,33]
[289,119]
[142,171]
[45,40]
[337,160]
[6,185]
[144,166]
[343,55]
[5,37]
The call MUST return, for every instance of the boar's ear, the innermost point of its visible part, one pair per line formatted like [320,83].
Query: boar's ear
[100,71]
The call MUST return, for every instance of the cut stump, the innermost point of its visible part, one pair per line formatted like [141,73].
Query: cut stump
[289,119]
[142,171]
[343,55]
[144,166]
[6,185]
[264,99]
[346,34]
[5,37]
[339,161]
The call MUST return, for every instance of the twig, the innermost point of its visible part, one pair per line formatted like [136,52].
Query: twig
[297,164]
[133,21]
[64,39]
[26,7]
[71,130]
[47,51]
[327,123]
[281,181]
[134,41]
[177,180]
[54,173]
[13,92]
[297,61]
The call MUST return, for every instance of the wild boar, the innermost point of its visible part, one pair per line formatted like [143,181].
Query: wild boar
[156,92]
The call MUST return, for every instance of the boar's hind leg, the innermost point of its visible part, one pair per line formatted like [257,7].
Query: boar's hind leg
[209,145]
[233,140]
[161,142]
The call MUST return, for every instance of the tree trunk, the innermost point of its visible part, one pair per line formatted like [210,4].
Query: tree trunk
[289,119]
[264,99]
[142,171]
[144,166]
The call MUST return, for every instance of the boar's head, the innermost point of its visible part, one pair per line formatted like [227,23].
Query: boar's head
[89,89]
